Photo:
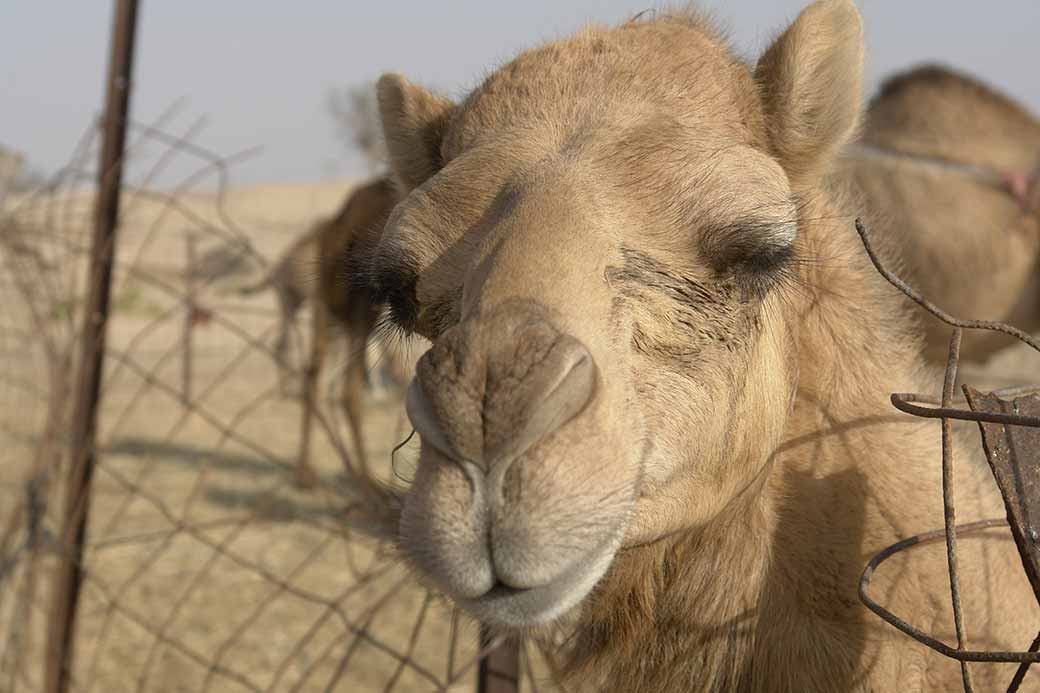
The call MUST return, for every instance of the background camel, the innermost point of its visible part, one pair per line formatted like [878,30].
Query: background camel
[655,413]
[948,170]
[293,278]
[346,307]
[315,268]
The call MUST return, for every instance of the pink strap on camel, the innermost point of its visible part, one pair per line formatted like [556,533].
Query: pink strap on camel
[1024,186]
[1021,186]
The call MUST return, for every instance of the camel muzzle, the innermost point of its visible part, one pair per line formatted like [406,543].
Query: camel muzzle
[488,392]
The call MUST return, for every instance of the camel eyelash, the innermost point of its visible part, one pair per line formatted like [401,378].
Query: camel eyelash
[397,292]
[753,253]
[391,283]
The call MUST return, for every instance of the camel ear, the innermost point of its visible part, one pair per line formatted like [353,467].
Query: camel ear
[414,121]
[811,85]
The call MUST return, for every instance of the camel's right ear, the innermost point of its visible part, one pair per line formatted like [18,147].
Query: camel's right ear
[810,80]
[414,121]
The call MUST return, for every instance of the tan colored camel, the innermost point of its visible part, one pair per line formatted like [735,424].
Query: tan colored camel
[941,157]
[346,308]
[655,413]
[293,278]
[316,269]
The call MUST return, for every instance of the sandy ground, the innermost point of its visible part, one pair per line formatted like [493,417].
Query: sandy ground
[205,568]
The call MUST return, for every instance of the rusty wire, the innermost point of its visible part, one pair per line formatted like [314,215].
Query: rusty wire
[910,404]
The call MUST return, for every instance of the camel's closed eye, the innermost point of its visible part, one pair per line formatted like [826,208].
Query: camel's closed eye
[757,252]
[392,281]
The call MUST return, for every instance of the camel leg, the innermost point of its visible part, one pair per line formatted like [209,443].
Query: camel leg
[305,475]
[288,307]
[360,326]
[281,348]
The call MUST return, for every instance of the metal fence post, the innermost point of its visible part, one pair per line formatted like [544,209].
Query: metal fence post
[68,574]
[499,669]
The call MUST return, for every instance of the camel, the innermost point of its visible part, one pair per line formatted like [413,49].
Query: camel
[293,278]
[950,165]
[314,268]
[347,307]
[654,417]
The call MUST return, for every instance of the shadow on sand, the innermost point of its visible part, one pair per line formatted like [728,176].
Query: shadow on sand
[266,491]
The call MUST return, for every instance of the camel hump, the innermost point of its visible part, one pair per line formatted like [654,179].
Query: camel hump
[944,101]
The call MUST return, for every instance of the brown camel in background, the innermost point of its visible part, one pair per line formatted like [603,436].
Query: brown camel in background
[315,269]
[947,169]
[345,307]
[293,278]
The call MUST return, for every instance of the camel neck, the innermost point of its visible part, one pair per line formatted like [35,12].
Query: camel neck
[728,606]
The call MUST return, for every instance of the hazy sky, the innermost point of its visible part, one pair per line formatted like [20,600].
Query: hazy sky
[260,69]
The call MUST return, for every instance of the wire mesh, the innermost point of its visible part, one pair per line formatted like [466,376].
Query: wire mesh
[944,410]
[204,568]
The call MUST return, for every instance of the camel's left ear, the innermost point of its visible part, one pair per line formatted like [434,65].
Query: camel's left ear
[414,121]
[811,83]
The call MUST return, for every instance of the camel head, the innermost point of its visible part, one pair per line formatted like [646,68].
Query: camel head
[598,241]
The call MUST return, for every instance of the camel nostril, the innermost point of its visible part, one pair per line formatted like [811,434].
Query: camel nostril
[489,391]
[553,393]
[424,421]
